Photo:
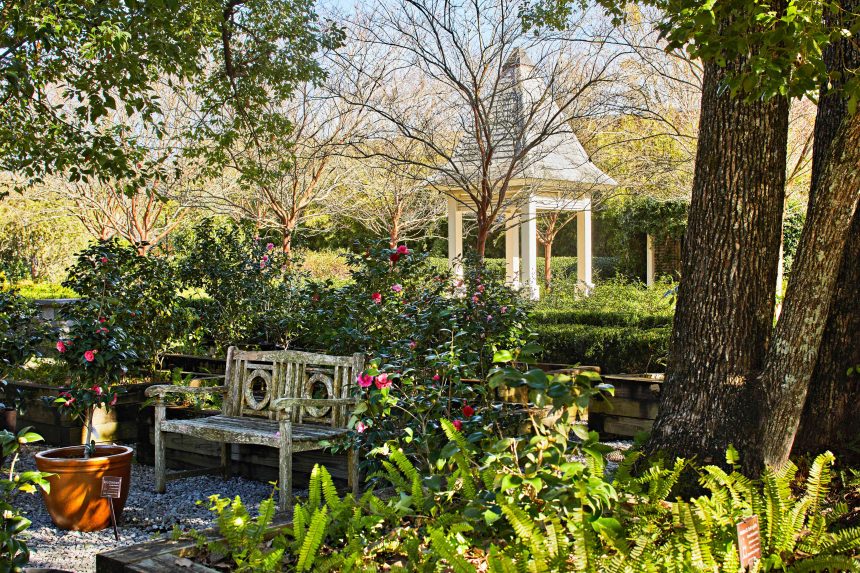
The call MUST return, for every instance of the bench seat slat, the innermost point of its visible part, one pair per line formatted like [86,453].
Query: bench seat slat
[260,431]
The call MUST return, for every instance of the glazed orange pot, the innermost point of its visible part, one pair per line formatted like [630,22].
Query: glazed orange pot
[75,501]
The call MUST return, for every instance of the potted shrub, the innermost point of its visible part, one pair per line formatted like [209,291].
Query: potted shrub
[98,352]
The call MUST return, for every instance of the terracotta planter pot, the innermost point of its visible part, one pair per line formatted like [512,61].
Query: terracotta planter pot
[75,500]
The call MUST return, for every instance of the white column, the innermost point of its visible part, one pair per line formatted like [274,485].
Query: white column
[649,260]
[583,249]
[528,244]
[512,253]
[455,238]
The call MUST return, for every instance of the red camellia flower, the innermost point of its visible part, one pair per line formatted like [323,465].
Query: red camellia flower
[382,381]
[315,297]
[113,400]
[98,390]
[89,355]
[468,411]
[102,319]
[393,257]
[61,346]
[436,378]
[402,250]
[104,260]
[365,380]
[458,424]
[376,298]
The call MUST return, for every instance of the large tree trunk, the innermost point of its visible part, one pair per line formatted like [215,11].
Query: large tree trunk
[831,418]
[794,352]
[725,306]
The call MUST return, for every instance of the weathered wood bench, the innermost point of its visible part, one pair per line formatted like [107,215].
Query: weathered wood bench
[284,399]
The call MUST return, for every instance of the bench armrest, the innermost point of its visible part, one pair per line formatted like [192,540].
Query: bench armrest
[163,389]
[287,403]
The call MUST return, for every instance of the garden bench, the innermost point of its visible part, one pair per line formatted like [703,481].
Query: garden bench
[285,399]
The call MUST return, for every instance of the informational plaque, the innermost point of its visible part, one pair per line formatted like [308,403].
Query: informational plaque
[112,487]
[749,541]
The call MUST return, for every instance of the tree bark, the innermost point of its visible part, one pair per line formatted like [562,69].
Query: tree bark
[547,266]
[794,352]
[831,418]
[725,305]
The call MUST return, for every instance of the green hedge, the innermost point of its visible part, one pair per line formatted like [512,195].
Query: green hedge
[602,318]
[615,349]
[562,267]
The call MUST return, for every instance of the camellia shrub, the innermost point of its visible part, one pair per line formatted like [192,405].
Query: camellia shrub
[239,288]
[133,293]
[21,331]
[430,339]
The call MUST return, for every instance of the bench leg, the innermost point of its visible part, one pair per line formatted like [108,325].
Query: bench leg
[226,450]
[352,464]
[160,469]
[285,467]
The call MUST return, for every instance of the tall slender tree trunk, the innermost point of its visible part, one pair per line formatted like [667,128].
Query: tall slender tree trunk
[794,352]
[831,417]
[725,305]
[547,262]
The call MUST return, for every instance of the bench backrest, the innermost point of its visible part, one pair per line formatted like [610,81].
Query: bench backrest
[254,379]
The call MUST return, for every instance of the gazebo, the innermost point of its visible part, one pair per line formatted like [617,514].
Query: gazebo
[555,175]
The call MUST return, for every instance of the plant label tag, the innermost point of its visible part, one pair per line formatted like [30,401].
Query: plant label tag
[111,487]
[749,541]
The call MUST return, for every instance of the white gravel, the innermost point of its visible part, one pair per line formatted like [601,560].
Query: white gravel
[147,515]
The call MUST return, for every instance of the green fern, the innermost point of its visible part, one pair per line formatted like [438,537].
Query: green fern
[312,541]
[443,547]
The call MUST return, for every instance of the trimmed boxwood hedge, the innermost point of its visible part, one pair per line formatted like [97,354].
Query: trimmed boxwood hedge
[602,318]
[562,267]
[615,349]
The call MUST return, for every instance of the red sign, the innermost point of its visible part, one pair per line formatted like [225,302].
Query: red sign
[749,541]
[112,487]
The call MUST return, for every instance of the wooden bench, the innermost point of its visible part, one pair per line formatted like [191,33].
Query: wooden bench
[284,399]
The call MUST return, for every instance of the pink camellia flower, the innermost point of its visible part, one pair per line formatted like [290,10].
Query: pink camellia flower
[393,257]
[69,402]
[489,317]
[89,355]
[365,380]
[113,400]
[468,411]
[98,390]
[397,287]
[382,381]
[102,319]
[270,246]
[376,298]
[102,330]
[481,288]
[61,346]
[402,250]
[104,260]
[436,378]
[475,298]
[360,427]
[412,345]
[458,425]
[503,310]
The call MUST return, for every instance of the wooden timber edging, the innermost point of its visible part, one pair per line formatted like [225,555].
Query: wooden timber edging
[631,410]
[165,555]
[172,556]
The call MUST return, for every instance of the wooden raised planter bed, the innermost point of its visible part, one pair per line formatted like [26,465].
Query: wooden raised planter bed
[633,409]
[249,461]
[58,429]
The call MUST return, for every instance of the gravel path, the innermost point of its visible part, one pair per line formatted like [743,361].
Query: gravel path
[147,515]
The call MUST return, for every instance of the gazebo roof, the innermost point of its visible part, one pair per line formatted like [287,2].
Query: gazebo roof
[557,164]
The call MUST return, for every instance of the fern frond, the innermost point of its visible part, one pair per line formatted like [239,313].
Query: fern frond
[825,564]
[313,540]
[443,548]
